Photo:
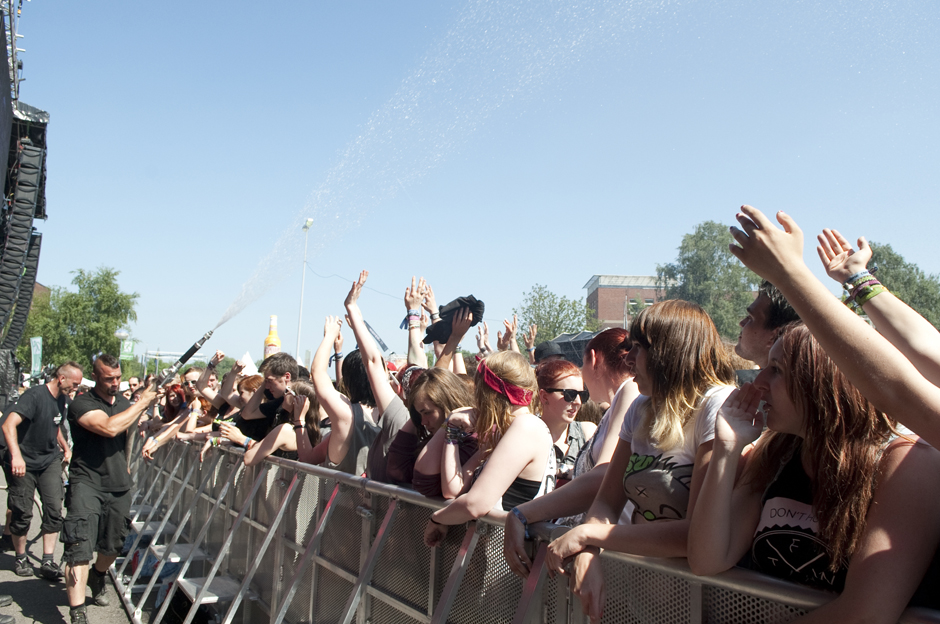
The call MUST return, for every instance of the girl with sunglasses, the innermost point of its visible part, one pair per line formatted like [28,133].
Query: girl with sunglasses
[561,394]
[684,374]
[516,460]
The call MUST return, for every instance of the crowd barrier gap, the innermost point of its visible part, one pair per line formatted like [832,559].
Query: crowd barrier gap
[287,542]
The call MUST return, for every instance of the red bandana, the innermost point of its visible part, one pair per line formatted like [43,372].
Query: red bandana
[515,394]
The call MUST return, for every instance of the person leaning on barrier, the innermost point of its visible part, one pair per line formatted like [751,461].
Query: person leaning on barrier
[98,498]
[298,438]
[832,496]
[516,460]
[35,452]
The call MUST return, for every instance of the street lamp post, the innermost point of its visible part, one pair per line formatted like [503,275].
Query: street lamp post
[303,276]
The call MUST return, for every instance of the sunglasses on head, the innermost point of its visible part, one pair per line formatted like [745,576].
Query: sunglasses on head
[569,394]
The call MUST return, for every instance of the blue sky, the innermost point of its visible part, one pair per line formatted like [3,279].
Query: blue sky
[486,145]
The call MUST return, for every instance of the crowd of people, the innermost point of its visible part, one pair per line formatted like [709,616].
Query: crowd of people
[805,451]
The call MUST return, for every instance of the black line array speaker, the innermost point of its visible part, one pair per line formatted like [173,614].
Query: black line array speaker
[25,297]
[18,225]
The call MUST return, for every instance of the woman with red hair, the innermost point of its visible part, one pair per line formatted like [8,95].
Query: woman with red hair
[561,394]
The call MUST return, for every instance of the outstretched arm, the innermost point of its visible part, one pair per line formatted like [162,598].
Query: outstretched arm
[881,372]
[335,404]
[371,355]
[279,438]
[912,334]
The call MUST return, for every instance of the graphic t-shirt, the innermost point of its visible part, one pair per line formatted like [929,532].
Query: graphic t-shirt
[40,414]
[786,543]
[658,482]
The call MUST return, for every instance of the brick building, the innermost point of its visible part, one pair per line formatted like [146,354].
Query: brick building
[608,295]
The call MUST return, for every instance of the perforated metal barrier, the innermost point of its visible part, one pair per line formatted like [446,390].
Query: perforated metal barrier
[290,542]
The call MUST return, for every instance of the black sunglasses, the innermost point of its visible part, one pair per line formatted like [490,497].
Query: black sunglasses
[569,395]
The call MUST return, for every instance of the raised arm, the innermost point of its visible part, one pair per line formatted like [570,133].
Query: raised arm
[510,335]
[335,404]
[414,299]
[908,331]
[881,372]
[202,384]
[371,354]
[279,438]
[228,392]
[529,339]
[463,318]
[429,303]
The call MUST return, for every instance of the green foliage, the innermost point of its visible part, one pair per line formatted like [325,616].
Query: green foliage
[706,273]
[634,307]
[907,282]
[553,314]
[77,325]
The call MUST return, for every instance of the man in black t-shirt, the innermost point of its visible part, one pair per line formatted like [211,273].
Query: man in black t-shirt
[99,497]
[35,450]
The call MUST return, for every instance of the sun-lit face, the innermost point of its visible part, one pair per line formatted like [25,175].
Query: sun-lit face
[554,404]
[69,380]
[431,415]
[277,384]
[637,358]
[779,409]
[755,338]
[189,385]
[107,379]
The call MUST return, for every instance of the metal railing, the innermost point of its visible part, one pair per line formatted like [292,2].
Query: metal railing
[291,542]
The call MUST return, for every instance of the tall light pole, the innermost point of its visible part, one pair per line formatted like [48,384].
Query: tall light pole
[303,277]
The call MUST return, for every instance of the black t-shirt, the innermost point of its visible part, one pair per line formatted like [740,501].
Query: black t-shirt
[98,460]
[41,414]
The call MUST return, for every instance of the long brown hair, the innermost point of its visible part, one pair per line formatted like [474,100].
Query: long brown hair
[443,388]
[845,436]
[493,410]
[685,357]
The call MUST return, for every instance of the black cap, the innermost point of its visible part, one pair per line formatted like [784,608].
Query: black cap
[548,349]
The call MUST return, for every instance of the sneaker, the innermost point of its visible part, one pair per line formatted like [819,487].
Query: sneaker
[22,567]
[99,587]
[50,570]
[6,543]
[78,616]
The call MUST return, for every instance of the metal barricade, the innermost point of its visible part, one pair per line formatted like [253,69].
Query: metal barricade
[290,542]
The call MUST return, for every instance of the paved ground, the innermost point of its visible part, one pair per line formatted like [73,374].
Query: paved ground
[38,600]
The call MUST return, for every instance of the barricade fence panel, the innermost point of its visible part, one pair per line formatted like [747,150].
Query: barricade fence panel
[343,548]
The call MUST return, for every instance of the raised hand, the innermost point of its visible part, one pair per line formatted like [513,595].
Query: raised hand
[238,367]
[331,328]
[838,258]
[338,343]
[461,323]
[356,288]
[430,304]
[414,298]
[772,253]
[218,357]
[529,337]
[738,422]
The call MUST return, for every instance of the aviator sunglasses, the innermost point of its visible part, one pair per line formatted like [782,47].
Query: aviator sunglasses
[569,394]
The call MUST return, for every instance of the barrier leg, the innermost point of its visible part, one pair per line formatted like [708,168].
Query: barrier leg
[272,531]
[313,547]
[237,467]
[153,512]
[162,525]
[224,549]
[531,599]
[179,530]
[461,563]
[365,576]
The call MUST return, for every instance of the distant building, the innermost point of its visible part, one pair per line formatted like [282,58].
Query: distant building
[608,296]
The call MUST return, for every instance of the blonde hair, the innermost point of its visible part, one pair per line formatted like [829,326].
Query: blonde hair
[493,410]
[685,357]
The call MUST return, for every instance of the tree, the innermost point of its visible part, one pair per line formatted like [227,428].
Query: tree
[553,314]
[706,273]
[907,282]
[78,325]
